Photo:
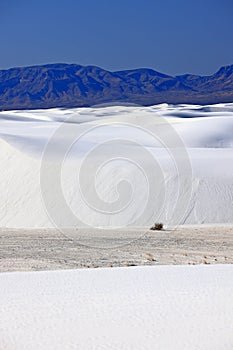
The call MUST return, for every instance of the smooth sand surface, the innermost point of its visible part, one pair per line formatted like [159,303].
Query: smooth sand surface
[137,308]
[49,249]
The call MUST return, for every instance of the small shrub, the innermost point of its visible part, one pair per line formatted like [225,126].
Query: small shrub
[157,226]
[204,261]
[150,257]
[128,264]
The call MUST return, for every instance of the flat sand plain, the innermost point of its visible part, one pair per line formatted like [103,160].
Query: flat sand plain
[50,249]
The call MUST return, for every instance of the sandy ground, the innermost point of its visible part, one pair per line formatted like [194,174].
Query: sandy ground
[49,249]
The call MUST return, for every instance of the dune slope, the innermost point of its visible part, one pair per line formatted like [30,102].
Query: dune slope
[117,166]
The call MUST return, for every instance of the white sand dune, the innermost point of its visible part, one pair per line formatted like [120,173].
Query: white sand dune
[117,166]
[121,166]
[164,307]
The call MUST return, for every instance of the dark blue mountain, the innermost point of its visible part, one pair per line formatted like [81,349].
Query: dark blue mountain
[72,85]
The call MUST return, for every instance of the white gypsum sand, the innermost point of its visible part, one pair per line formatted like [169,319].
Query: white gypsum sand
[160,307]
[164,307]
[206,131]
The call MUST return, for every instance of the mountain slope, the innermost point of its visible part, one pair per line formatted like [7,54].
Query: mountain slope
[71,85]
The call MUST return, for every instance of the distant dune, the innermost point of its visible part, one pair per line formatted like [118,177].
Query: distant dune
[72,85]
[116,170]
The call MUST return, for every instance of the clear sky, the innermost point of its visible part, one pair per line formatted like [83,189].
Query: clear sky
[171,36]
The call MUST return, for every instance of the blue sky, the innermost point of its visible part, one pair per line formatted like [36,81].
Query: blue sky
[171,36]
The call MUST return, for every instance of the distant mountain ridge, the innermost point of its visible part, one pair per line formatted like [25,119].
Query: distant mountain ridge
[72,85]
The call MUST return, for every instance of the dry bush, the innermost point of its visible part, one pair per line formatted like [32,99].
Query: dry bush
[157,226]
[128,264]
[150,257]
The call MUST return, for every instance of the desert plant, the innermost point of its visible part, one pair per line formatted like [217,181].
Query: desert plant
[157,226]
[150,257]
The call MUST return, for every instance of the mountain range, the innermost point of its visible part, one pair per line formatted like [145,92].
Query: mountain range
[72,85]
